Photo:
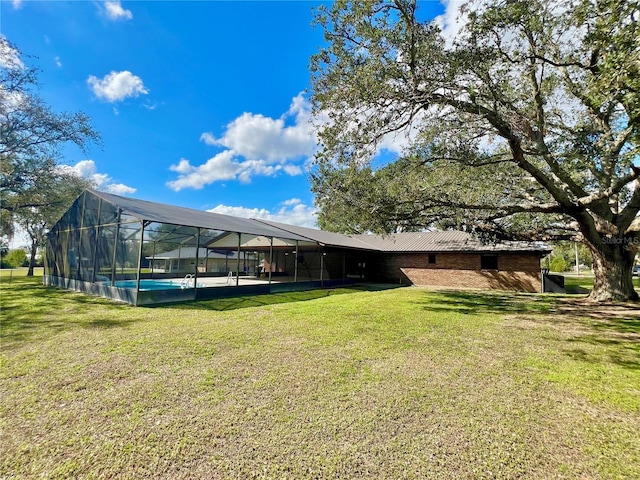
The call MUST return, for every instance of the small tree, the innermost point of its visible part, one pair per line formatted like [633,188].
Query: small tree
[49,203]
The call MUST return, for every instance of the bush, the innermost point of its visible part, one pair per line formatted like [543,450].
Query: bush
[16,258]
[558,264]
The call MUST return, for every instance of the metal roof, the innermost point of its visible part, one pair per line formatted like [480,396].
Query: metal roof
[435,241]
[322,237]
[444,241]
[163,213]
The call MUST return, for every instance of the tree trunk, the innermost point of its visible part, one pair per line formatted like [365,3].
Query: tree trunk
[613,270]
[32,260]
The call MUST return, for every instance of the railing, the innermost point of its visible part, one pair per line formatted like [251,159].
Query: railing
[188,281]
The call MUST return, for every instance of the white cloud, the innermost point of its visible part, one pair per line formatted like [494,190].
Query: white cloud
[292,212]
[17,4]
[150,105]
[114,11]
[223,166]
[58,62]
[119,189]
[452,20]
[182,167]
[253,145]
[87,169]
[292,170]
[116,86]
[208,138]
[255,136]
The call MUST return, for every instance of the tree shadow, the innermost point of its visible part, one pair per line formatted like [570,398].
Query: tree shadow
[577,289]
[613,329]
[621,350]
[476,302]
[263,300]
[29,309]
[621,316]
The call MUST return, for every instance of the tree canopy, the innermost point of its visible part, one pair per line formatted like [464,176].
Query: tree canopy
[524,124]
[31,138]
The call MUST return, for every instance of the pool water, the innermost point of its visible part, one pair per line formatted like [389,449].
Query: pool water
[151,284]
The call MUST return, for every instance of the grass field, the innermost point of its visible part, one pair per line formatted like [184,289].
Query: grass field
[584,283]
[346,383]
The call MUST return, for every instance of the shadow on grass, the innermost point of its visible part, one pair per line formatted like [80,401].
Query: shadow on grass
[624,317]
[29,309]
[617,337]
[472,303]
[613,329]
[577,290]
[247,301]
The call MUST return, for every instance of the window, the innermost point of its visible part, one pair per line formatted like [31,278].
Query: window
[432,258]
[489,262]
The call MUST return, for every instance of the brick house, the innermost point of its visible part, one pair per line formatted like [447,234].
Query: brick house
[441,259]
[458,260]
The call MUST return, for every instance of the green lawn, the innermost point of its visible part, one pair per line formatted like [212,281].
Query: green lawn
[584,283]
[347,383]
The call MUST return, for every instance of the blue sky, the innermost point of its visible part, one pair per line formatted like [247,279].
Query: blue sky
[201,104]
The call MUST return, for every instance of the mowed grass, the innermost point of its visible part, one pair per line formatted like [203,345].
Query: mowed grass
[584,283]
[346,383]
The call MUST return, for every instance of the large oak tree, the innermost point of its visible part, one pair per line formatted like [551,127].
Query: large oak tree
[524,124]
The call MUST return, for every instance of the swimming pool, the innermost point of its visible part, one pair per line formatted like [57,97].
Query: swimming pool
[151,284]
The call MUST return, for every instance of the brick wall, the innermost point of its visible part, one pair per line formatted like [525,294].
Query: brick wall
[516,271]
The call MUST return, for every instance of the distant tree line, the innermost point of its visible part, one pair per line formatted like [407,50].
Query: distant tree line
[563,257]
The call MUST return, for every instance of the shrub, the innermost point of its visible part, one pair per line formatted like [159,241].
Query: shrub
[558,264]
[16,258]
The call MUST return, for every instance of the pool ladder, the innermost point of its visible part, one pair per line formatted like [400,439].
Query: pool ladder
[189,281]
